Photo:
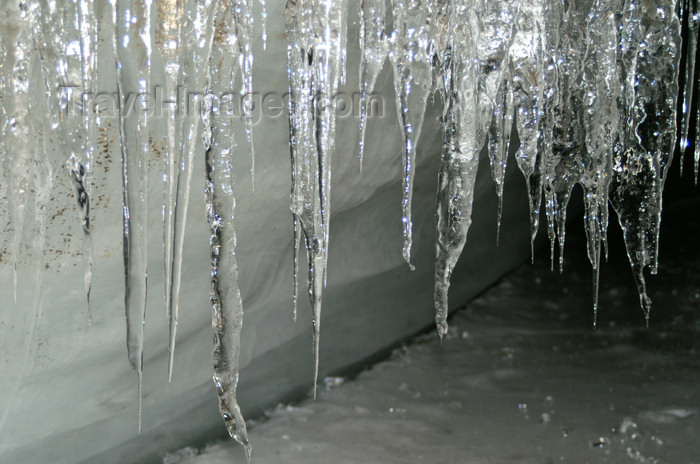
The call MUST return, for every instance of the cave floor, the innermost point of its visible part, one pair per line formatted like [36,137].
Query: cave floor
[522,377]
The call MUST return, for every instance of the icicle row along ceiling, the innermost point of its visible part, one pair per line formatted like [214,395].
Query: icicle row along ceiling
[591,89]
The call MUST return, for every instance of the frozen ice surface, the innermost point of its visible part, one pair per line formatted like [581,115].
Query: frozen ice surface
[520,377]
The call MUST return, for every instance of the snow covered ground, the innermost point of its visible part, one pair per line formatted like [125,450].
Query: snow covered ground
[522,377]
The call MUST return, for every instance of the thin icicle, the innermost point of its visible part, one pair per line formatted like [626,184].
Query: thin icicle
[227,304]
[243,23]
[526,74]
[198,30]
[602,89]
[263,23]
[373,53]
[411,60]
[691,16]
[133,58]
[315,31]
[495,98]
[168,42]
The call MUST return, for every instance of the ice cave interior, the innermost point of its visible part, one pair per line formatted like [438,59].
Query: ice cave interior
[166,178]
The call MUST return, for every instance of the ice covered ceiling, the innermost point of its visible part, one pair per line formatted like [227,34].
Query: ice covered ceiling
[583,92]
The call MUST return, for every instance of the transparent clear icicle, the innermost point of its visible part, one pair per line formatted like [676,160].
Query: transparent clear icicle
[168,42]
[411,60]
[315,32]
[495,96]
[373,53]
[650,53]
[460,153]
[133,58]
[198,30]
[219,144]
[562,166]
[27,174]
[526,74]
[602,89]
[690,14]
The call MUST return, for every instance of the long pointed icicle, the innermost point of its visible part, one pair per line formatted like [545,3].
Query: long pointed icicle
[460,155]
[315,31]
[133,58]
[168,42]
[526,74]
[198,31]
[602,89]
[410,57]
[373,53]
[691,16]
[219,144]
[82,176]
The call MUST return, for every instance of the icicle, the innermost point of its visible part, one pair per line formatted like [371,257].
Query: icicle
[263,22]
[219,144]
[373,53]
[691,16]
[410,57]
[133,57]
[602,89]
[460,155]
[315,35]
[17,48]
[198,30]
[526,74]
[88,52]
[168,42]
[650,50]
[495,99]
[243,23]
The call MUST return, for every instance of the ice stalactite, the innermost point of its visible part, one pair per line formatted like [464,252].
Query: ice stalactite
[460,153]
[133,59]
[650,52]
[601,91]
[495,93]
[197,32]
[315,31]
[168,42]
[690,16]
[219,144]
[88,25]
[17,49]
[374,49]
[526,74]
[26,174]
[243,24]
[411,60]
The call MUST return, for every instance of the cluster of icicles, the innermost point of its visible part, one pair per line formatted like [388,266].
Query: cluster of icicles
[591,87]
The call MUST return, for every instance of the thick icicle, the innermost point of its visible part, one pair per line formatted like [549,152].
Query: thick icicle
[373,53]
[315,31]
[460,155]
[411,60]
[198,30]
[133,58]
[650,52]
[219,144]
